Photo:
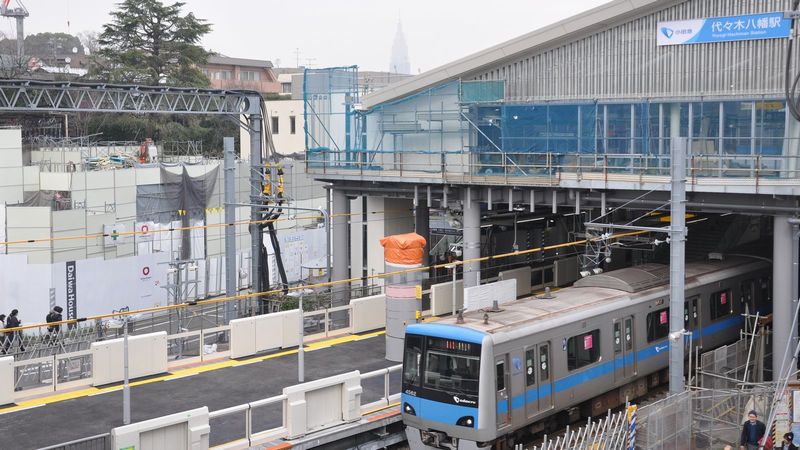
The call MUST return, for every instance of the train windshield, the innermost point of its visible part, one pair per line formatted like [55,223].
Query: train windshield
[451,366]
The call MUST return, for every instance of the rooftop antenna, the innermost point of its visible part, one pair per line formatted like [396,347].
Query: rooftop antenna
[19,13]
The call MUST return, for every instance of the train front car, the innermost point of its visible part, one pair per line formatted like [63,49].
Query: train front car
[447,400]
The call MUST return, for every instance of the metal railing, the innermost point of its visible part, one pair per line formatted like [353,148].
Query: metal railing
[548,167]
[608,433]
[99,442]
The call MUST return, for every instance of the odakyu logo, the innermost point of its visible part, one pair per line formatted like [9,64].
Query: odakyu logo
[460,400]
[667,32]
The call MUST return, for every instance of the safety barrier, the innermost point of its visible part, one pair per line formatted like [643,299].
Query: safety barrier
[256,334]
[147,355]
[307,408]
[442,297]
[523,277]
[369,313]
[186,430]
[75,369]
[6,380]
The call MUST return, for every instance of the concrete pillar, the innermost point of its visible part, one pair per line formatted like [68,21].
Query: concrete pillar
[472,241]
[341,246]
[783,306]
[422,223]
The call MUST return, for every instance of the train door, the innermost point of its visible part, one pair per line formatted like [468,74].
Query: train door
[748,298]
[538,390]
[503,402]
[545,380]
[624,359]
[691,322]
[630,354]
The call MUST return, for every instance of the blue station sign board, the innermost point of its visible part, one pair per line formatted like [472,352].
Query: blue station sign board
[724,29]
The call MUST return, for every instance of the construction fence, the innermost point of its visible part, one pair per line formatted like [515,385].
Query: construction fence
[693,419]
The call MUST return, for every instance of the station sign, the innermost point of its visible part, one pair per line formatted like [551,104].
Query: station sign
[724,29]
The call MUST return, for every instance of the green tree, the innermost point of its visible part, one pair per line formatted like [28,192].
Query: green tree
[148,42]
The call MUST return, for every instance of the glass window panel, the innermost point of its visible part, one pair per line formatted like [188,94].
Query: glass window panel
[588,137]
[770,127]
[618,129]
[737,118]
[705,128]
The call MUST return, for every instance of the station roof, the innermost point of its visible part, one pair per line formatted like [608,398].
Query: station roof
[593,20]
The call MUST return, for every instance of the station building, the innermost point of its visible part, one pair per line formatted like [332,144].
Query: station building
[574,118]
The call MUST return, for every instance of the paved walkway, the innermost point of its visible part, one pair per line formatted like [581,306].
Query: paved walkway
[65,417]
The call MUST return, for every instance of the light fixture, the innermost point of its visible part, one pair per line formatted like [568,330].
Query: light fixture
[597,271]
[585,273]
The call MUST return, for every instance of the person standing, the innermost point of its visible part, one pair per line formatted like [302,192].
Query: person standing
[12,321]
[787,443]
[2,335]
[53,331]
[753,431]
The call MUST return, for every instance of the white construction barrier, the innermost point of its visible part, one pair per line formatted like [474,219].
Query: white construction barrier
[483,296]
[6,380]
[147,355]
[182,431]
[367,313]
[322,403]
[256,334]
[523,277]
[442,297]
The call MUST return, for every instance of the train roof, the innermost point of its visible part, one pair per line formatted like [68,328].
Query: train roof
[597,294]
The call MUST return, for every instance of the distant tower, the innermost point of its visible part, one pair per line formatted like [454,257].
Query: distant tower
[400,63]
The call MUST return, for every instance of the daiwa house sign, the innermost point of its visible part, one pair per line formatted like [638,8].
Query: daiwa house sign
[724,29]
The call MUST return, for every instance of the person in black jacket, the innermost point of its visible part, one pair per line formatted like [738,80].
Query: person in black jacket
[12,321]
[54,330]
[752,432]
[787,443]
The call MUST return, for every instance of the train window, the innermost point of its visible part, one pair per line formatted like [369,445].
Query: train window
[583,349]
[765,288]
[501,376]
[412,360]
[530,367]
[657,324]
[617,337]
[544,364]
[721,305]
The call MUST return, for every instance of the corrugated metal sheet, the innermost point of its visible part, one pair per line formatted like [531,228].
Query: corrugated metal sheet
[625,62]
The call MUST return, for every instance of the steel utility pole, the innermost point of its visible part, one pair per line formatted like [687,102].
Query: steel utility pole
[677,264]
[231,276]
[256,197]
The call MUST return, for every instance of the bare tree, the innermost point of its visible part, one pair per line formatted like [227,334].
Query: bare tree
[89,39]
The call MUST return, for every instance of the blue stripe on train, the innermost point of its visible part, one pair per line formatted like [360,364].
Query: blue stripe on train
[601,370]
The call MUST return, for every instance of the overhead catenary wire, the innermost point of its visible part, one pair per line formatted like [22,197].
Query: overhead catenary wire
[250,295]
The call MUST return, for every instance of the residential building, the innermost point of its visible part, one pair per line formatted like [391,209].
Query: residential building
[239,73]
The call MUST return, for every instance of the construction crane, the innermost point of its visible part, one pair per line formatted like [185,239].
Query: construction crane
[19,13]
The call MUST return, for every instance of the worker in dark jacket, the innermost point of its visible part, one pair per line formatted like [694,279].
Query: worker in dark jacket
[752,432]
[12,321]
[54,316]
[787,443]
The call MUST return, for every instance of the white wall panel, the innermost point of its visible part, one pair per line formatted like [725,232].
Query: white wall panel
[368,313]
[55,181]
[147,355]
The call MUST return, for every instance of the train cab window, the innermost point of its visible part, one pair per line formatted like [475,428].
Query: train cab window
[412,360]
[530,367]
[765,290]
[657,325]
[583,349]
[452,366]
[721,305]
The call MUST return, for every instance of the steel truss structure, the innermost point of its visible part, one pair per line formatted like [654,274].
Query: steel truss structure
[45,96]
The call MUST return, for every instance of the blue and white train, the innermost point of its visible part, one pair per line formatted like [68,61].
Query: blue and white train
[541,363]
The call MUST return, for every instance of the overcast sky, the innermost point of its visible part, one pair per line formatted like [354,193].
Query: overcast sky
[332,32]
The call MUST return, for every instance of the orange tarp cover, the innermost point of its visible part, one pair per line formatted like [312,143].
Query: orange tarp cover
[403,248]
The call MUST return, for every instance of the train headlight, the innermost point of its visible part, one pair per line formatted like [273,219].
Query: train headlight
[408,409]
[466,421]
